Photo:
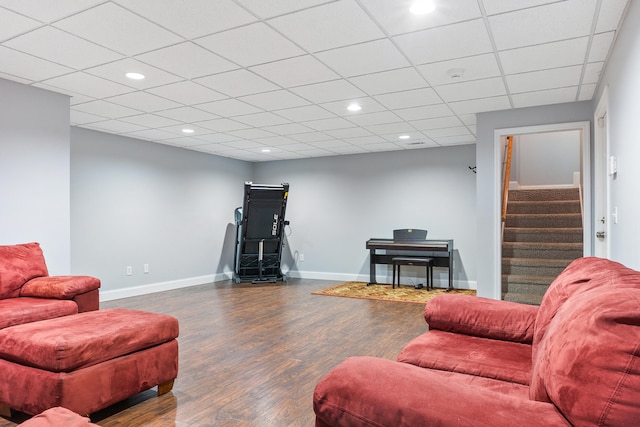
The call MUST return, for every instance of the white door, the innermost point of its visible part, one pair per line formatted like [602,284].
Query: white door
[604,170]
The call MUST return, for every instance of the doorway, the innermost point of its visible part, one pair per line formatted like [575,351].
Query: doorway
[585,183]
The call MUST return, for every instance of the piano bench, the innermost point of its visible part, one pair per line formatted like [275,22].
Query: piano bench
[422,262]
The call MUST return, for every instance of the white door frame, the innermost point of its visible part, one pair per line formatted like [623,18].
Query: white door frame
[601,177]
[585,135]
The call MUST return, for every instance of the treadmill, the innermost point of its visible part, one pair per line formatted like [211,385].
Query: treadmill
[259,233]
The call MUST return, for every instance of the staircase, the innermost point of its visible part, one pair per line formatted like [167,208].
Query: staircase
[542,235]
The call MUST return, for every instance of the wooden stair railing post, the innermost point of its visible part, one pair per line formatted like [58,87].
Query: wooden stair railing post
[506,177]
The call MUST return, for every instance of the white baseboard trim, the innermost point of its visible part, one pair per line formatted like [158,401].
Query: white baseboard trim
[151,288]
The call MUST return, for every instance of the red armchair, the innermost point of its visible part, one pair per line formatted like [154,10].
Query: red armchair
[575,360]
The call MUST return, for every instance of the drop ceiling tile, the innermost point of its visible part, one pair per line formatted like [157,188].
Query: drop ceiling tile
[298,71]
[395,18]
[193,18]
[388,128]
[383,146]
[544,56]
[62,48]
[106,109]
[455,140]
[251,133]
[187,114]
[436,123]
[250,45]
[409,98]
[217,138]
[448,42]
[187,92]
[493,7]
[185,142]
[88,85]
[237,83]
[485,88]
[329,124]
[115,71]
[222,125]
[150,120]
[48,11]
[82,118]
[143,101]
[469,68]
[592,72]
[543,24]
[271,8]
[587,92]
[547,79]
[374,118]
[113,27]
[308,112]
[276,100]
[261,119]
[364,58]
[468,119]
[610,14]
[369,105]
[14,24]
[348,149]
[348,133]
[328,26]
[454,131]
[30,67]
[424,112]
[15,78]
[545,97]
[115,126]
[480,105]
[310,137]
[229,108]
[275,141]
[473,129]
[152,135]
[287,129]
[600,46]
[334,90]
[366,140]
[390,81]
[187,60]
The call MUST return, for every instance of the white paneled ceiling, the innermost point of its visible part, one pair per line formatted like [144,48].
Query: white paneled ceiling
[263,80]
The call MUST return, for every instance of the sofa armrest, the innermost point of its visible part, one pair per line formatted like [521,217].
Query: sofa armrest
[59,287]
[481,317]
[369,391]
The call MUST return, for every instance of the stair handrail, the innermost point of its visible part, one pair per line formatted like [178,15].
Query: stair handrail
[506,177]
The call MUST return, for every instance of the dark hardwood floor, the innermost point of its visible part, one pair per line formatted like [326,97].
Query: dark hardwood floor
[250,355]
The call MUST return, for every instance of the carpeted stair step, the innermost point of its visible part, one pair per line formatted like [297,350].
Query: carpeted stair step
[514,279]
[530,299]
[544,221]
[542,250]
[543,207]
[545,194]
[534,267]
[529,289]
[562,234]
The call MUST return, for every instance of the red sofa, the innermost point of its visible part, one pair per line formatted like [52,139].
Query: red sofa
[29,294]
[572,361]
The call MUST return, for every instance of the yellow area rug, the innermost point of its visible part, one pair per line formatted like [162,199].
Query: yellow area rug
[384,292]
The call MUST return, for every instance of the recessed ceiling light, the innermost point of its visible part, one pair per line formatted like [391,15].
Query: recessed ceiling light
[187,130]
[422,7]
[266,150]
[404,137]
[135,76]
[354,107]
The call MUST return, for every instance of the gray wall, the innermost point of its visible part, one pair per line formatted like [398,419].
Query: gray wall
[622,78]
[337,203]
[34,171]
[136,202]
[488,206]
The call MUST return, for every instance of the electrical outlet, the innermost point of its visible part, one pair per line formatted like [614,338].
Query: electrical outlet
[301,257]
[145,268]
[129,270]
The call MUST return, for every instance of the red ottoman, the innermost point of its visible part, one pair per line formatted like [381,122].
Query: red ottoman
[58,417]
[88,361]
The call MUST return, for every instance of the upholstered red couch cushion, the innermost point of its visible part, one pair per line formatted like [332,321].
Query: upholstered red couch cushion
[16,311]
[588,362]
[67,343]
[18,264]
[59,287]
